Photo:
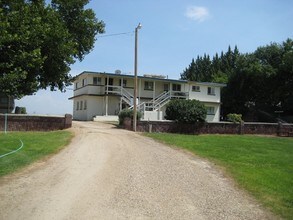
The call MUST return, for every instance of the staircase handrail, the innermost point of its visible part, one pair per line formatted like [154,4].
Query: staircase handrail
[161,95]
[127,96]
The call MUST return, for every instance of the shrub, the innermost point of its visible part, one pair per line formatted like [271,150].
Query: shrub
[127,113]
[188,111]
[235,118]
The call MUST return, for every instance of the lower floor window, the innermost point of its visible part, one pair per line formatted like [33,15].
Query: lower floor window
[176,87]
[210,110]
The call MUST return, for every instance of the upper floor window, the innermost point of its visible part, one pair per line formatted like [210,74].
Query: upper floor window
[76,85]
[210,110]
[84,82]
[148,85]
[123,83]
[85,105]
[77,105]
[195,88]
[97,80]
[211,91]
[176,87]
[80,105]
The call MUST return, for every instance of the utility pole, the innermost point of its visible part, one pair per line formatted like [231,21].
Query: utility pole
[135,79]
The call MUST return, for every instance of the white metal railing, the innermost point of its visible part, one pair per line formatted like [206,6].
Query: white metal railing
[163,99]
[153,105]
[119,90]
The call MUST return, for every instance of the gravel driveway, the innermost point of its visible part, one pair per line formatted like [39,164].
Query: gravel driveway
[109,173]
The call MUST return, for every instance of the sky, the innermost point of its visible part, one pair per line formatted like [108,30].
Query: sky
[172,33]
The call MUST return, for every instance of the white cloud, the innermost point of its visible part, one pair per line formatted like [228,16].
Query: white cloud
[197,13]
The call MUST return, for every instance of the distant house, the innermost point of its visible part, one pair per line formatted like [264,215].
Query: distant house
[105,94]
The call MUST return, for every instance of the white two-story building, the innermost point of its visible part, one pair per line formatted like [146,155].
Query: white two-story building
[105,94]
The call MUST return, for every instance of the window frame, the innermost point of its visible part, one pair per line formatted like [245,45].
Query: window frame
[149,85]
[98,80]
[176,86]
[211,108]
[211,91]
[84,82]
[195,88]
[124,83]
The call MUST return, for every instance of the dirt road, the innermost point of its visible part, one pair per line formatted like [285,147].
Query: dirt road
[109,173]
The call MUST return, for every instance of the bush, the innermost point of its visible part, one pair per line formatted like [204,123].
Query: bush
[127,113]
[188,111]
[235,118]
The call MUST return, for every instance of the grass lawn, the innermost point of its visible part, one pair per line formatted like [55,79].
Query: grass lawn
[261,165]
[36,145]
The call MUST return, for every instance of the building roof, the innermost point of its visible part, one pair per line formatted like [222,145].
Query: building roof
[152,77]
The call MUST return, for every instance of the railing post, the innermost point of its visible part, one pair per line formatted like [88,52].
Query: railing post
[5,125]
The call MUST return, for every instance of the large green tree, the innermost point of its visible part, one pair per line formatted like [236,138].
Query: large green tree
[258,84]
[262,82]
[39,42]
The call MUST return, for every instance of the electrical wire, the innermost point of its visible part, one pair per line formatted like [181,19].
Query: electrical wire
[111,35]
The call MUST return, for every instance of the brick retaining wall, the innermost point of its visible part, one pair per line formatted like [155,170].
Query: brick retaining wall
[19,122]
[212,128]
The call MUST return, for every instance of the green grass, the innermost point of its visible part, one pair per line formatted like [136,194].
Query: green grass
[36,146]
[261,165]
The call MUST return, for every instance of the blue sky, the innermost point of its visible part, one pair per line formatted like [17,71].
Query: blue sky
[173,33]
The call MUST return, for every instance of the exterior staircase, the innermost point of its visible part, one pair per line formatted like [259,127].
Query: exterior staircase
[160,101]
[150,106]
[126,96]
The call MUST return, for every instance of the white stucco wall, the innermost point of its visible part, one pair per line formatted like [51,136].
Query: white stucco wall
[153,115]
[213,117]
[203,95]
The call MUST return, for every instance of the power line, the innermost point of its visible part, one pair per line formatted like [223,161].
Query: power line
[110,35]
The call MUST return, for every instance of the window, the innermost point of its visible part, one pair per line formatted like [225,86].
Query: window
[166,87]
[84,82]
[210,110]
[211,91]
[124,83]
[195,88]
[76,85]
[148,85]
[77,105]
[80,105]
[85,105]
[176,87]
[97,80]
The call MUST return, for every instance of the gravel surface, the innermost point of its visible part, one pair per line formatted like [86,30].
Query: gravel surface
[109,173]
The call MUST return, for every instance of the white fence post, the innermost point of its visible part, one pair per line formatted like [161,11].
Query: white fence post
[5,125]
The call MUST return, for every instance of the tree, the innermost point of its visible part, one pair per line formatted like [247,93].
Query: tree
[262,81]
[39,42]
[188,111]
[219,69]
